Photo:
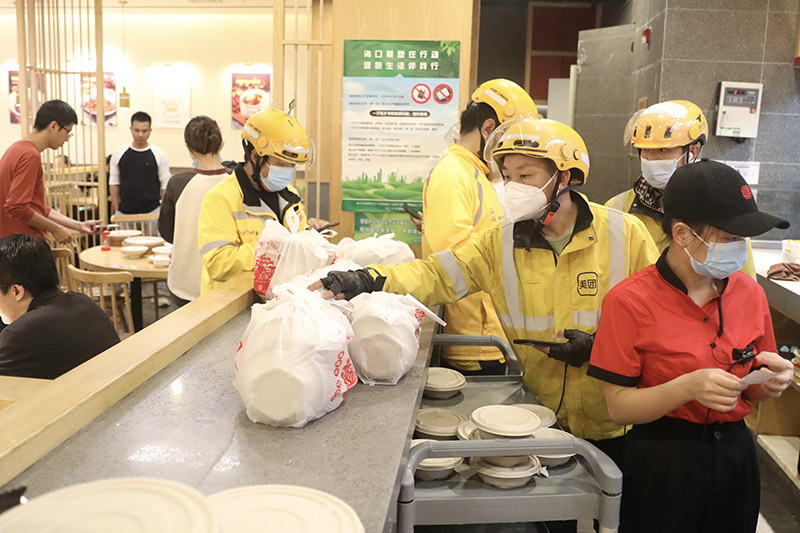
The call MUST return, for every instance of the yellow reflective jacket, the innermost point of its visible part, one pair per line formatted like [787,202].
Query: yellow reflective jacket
[232,216]
[537,293]
[626,202]
[458,201]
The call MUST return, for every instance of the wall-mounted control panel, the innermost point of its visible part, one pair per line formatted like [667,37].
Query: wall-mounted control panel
[739,108]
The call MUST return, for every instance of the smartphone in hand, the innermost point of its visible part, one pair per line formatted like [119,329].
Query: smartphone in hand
[413,212]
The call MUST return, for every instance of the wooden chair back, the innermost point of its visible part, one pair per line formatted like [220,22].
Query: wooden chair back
[146,223]
[109,290]
[63,257]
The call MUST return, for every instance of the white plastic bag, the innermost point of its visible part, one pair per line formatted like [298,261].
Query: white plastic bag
[282,254]
[383,250]
[386,330]
[304,280]
[293,365]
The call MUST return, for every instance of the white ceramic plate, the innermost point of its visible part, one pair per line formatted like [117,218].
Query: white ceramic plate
[439,422]
[546,415]
[165,249]
[144,241]
[259,508]
[120,233]
[134,505]
[444,379]
[506,420]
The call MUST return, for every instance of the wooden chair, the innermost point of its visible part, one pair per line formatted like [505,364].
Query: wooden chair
[105,288]
[148,224]
[63,258]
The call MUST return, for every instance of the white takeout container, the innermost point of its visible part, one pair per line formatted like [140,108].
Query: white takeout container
[134,251]
[118,235]
[435,468]
[554,460]
[144,505]
[443,383]
[504,421]
[465,430]
[259,508]
[438,424]
[503,477]
[500,460]
[546,415]
[160,261]
[150,242]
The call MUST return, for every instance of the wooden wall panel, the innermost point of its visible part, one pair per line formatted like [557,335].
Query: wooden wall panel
[395,20]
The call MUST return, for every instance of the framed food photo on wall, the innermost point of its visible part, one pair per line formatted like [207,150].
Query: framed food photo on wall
[250,93]
[90,96]
[172,95]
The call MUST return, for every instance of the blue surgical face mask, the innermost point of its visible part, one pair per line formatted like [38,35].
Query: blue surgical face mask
[722,259]
[278,178]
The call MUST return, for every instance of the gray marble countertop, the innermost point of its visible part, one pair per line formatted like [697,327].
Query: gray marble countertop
[188,424]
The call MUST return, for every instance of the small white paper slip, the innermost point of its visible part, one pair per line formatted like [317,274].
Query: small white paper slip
[754,378]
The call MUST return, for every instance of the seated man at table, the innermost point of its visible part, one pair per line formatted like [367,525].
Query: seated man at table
[49,332]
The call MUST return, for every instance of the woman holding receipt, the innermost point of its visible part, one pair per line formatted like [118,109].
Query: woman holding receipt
[683,346]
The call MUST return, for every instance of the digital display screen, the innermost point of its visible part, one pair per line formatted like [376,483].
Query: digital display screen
[740,97]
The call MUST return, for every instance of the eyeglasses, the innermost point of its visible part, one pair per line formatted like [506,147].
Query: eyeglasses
[69,131]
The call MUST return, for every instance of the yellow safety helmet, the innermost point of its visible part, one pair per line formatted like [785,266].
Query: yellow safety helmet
[543,138]
[667,125]
[274,133]
[508,99]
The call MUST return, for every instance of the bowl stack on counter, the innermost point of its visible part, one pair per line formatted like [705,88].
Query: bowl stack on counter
[151,505]
[521,421]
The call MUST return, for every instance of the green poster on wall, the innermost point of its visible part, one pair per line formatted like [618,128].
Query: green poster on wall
[369,224]
[400,98]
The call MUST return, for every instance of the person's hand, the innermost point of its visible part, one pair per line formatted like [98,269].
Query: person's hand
[417,220]
[714,388]
[775,363]
[90,226]
[316,223]
[62,235]
[344,285]
[576,351]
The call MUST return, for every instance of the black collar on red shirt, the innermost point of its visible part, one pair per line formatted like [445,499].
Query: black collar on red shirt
[253,196]
[670,277]
[526,236]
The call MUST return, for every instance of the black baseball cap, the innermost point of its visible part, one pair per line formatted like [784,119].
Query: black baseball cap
[716,194]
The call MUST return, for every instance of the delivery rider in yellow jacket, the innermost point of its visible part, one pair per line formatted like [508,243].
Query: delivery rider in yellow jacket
[458,200]
[668,135]
[546,270]
[233,213]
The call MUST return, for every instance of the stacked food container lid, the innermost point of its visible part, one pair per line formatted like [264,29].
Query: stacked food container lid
[443,383]
[148,505]
[435,468]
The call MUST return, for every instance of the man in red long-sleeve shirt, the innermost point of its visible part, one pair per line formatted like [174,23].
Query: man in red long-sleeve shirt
[22,203]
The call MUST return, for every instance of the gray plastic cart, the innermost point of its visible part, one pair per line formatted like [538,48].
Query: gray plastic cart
[589,486]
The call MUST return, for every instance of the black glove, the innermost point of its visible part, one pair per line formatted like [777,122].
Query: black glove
[576,351]
[350,284]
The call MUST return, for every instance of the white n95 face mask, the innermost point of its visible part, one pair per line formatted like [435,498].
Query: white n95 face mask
[658,172]
[526,202]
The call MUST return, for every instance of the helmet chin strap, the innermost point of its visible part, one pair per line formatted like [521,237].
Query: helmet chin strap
[552,206]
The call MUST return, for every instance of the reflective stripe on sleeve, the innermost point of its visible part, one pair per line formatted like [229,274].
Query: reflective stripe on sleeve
[479,213]
[450,265]
[213,245]
[618,202]
[510,283]
[616,247]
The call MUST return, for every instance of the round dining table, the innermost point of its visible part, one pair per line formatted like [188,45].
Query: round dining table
[113,260]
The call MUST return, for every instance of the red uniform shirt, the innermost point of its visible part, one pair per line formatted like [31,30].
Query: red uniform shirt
[651,332]
[21,189]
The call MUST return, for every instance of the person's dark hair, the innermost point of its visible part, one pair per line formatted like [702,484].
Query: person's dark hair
[668,222]
[54,110]
[202,135]
[475,115]
[26,260]
[141,116]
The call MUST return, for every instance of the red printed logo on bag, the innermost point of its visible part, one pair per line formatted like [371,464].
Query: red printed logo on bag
[264,270]
[419,314]
[349,375]
[746,192]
